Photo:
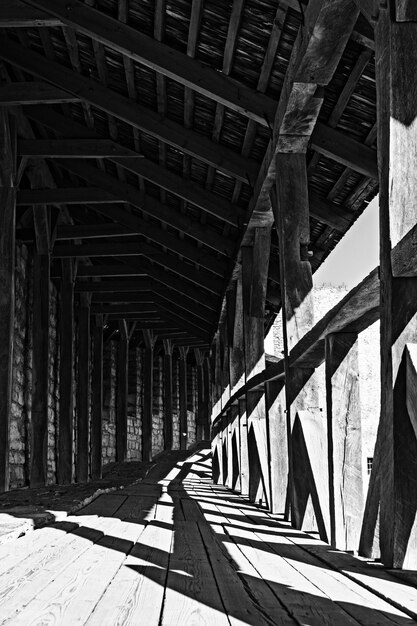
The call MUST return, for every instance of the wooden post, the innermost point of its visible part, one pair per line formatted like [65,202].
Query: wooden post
[97,399]
[243,451]
[40,324]
[344,440]
[183,397]
[168,349]
[122,380]
[66,375]
[7,277]
[291,212]
[207,399]
[201,409]
[397,145]
[150,340]
[83,389]
[255,263]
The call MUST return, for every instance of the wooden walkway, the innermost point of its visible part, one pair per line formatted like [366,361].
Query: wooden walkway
[179,550]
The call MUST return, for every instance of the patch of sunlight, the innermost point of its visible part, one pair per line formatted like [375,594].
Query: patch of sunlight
[181,572]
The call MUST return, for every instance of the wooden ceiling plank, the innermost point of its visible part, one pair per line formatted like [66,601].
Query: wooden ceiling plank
[132,195]
[146,120]
[163,238]
[155,282]
[181,269]
[160,176]
[124,227]
[193,32]
[160,58]
[185,322]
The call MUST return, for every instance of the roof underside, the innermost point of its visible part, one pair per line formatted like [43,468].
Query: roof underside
[156,214]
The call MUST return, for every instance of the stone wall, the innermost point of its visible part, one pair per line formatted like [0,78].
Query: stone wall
[175,404]
[109,402]
[158,405]
[20,419]
[134,405]
[53,399]
[192,403]
[19,452]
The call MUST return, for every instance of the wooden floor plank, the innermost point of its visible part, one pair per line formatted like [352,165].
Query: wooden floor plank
[362,605]
[136,593]
[19,590]
[192,596]
[174,550]
[240,607]
[138,508]
[105,505]
[72,595]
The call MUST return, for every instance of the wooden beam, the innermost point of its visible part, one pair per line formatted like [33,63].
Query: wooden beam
[40,325]
[16,14]
[131,194]
[345,150]
[161,58]
[149,339]
[83,390]
[69,127]
[116,309]
[122,390]
[7,272]
[73,148]
[76,195]
[97,399]
[168,349]
[132,113]
[397,141]
[291,211]
[367,8]
[66,375]
[314,59]
[127,248]
[33,92]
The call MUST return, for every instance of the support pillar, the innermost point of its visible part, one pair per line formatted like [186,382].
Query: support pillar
[66,374]
[168,349]
[201,399]
[40,324]
[149,340]
[183,397]
[97,399]
[122,381]
[291,212]
[344,440]
[83,389]
[395,44]
[7,278]
[255,263]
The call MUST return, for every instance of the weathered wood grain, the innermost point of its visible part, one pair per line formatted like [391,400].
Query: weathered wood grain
[7,278]
[344,440]
[97,399]
[83,390]
[66,375]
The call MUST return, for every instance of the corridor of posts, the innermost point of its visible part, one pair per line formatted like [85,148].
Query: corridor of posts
[172,174]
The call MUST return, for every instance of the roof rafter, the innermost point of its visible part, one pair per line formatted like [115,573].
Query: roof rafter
[160,58]
[138,116]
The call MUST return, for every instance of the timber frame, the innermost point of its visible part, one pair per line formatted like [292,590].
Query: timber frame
[180,175]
